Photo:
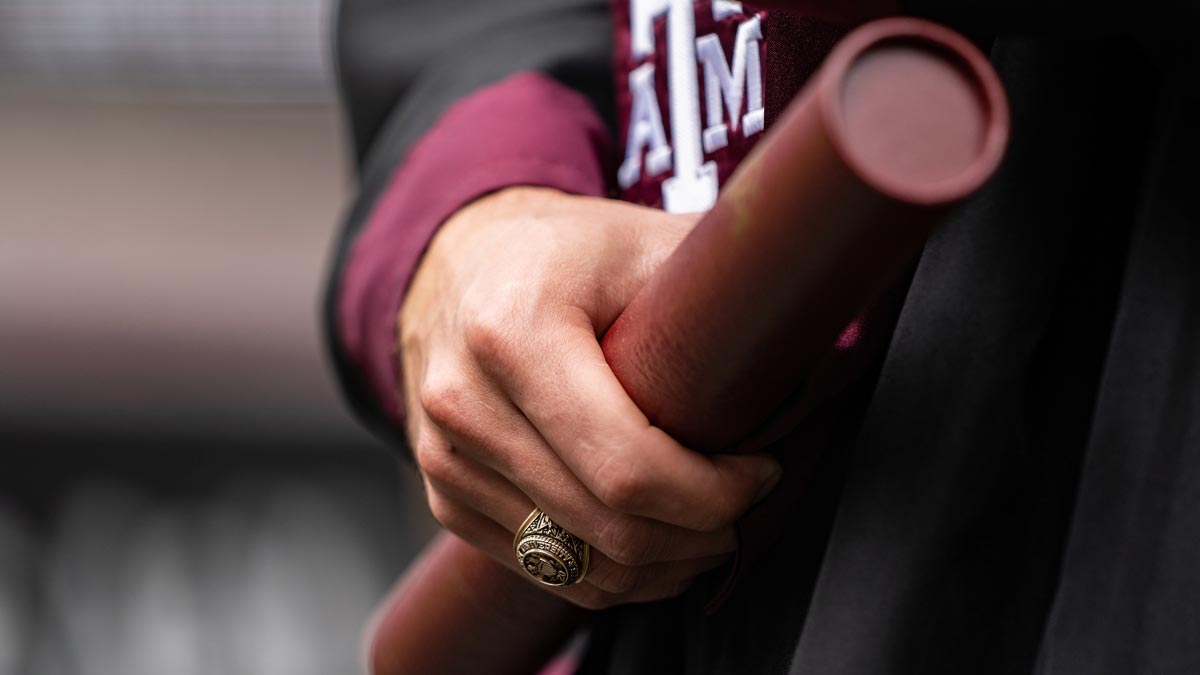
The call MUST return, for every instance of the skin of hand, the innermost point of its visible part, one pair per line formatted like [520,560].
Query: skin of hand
[510,402]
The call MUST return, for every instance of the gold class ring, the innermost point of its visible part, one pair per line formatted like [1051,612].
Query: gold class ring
[549,553]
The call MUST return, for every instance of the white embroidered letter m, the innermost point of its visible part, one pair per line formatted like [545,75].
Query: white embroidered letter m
[723,85]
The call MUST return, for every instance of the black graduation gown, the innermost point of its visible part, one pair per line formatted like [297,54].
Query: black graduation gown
[1020,492]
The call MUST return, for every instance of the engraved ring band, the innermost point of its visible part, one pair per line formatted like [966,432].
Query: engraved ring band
[549,553]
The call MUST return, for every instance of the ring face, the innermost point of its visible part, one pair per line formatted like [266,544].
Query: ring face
[549,553]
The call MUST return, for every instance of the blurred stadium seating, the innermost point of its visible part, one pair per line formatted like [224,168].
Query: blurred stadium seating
[183,491]
[253,50]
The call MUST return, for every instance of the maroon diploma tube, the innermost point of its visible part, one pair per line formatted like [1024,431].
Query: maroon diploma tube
[904,120]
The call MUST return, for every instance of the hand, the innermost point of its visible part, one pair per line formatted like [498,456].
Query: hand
[510,402]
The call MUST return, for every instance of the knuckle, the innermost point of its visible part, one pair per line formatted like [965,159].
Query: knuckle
[627,542]
[620,486]
[489,336]
[436,461]
[444,399]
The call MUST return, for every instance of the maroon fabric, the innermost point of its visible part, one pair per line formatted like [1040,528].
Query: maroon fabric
[525,130]
[848,12]
[792,49]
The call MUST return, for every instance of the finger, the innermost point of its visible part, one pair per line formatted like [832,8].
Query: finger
[524,469]
[563,385]
[490,494]
[496,541]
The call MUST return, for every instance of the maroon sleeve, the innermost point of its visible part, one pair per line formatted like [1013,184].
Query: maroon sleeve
[525,130]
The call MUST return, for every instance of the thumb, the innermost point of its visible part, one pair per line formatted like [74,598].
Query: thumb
[652,237]
[660,237]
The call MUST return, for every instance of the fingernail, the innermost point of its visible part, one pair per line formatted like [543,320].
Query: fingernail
[771,472]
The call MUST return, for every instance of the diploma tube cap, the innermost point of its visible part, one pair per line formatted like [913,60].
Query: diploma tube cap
[915,110]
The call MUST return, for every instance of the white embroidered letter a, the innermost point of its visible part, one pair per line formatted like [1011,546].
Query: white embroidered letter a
[645,130]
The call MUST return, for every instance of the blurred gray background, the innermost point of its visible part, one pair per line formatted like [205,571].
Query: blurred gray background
[182,490]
